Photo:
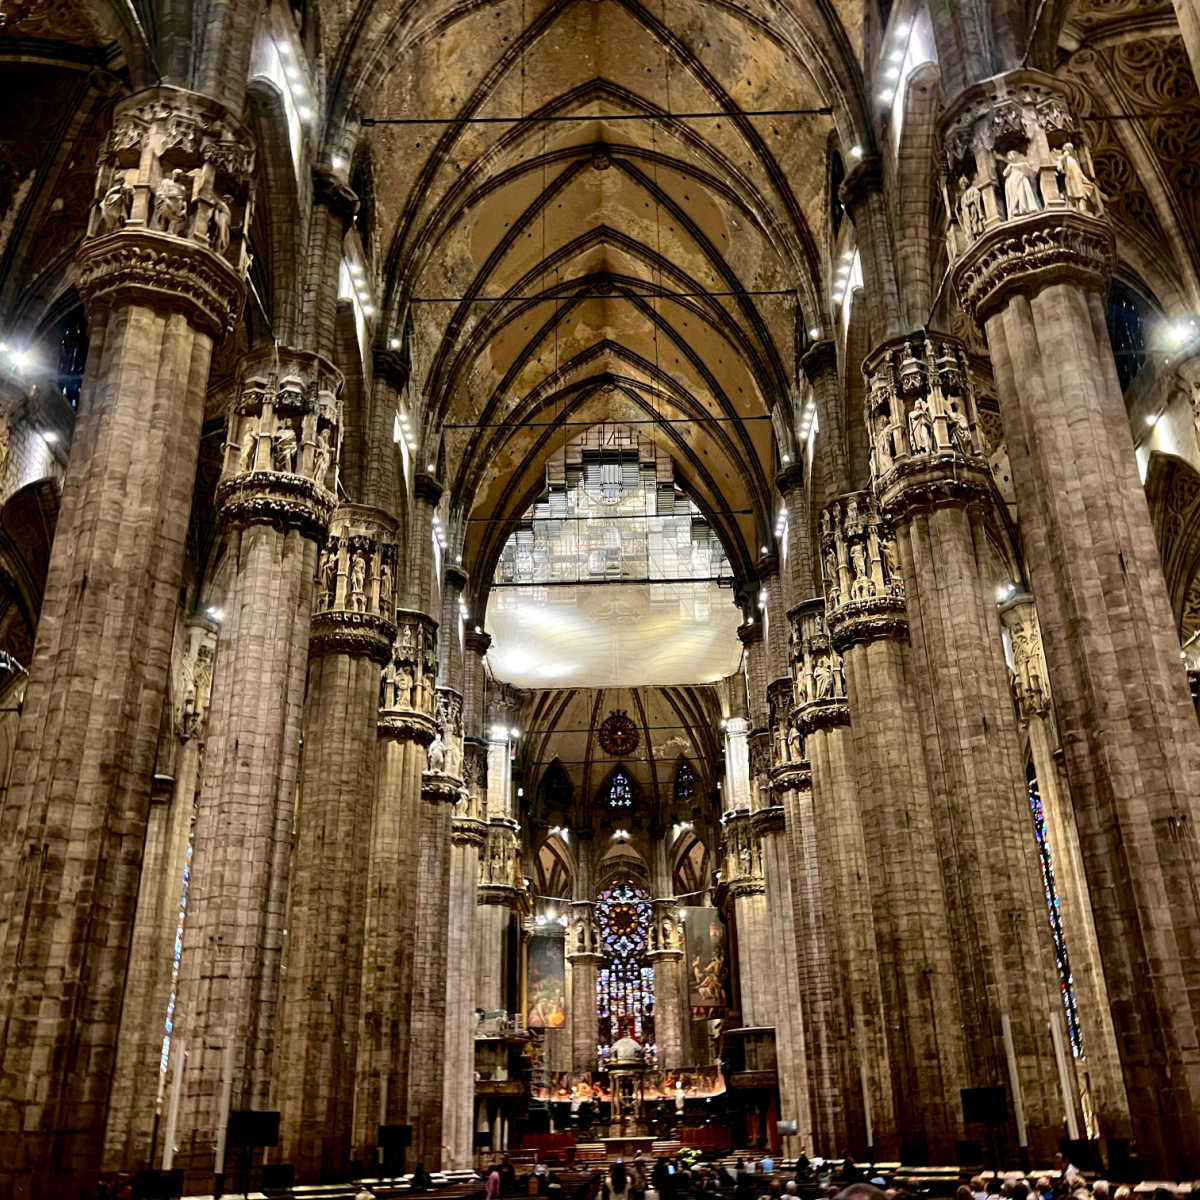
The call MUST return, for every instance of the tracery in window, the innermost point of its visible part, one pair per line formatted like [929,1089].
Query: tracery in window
[620,790]
[625,986]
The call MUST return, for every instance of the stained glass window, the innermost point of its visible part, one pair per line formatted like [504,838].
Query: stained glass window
[620,791]
[169,1025]
[685,782]
[1066,981]
[625,986]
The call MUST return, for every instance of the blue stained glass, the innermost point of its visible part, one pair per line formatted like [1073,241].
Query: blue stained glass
[1065,979]
[685,782]
[625,987]
[620,793]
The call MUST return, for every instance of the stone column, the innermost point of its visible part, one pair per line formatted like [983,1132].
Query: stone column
[161,288]
[1035,274]
[583,953]
[824,1018]
[798,576]
[832,464]
[864,596]
[789,1023]
[352,634]
[467,853]
[666,954]
[823,719]
[936,490]
[745,904]
[274,502]
[138,1081]
[405,729]
[1098,1068]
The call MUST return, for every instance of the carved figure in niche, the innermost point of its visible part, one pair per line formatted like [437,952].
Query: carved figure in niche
[1019,198]
[404,686]
[171,204]
[960,432]
[839,678]
[887,550]
[920,424]
[453,758]
[385,589]
[116,205]
[795,745]
[863,587]
[387,686]
[823,677]
[1078,188]
[437,754]
[219,224]
[970,207]
[358,582]
[249,444]
[283,449]
[203,678]
[329,574]
[322,456]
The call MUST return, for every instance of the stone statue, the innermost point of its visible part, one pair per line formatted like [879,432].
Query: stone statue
[960,432]
[920,424]
[795,745]
[116,205]
[824,679]
[437,754]
[887,550]
[283,449]
[1079,190]
[862,587]
[970,207]
[385,589]
[1019,198]
[171,204]
[329,574]
[322,456]
[387,686]
[249,444]
[203,677]
[358,582]
[219,223]
[404,687]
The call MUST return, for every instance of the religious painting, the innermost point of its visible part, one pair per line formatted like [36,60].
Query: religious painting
[707,963]
[547,983]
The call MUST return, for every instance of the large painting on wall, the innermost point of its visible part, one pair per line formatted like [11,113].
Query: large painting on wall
[707,963]
[547,983]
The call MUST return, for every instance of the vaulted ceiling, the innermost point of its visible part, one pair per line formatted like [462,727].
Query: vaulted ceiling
[662,272]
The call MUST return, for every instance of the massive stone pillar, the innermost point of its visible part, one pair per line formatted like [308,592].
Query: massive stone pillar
[823,1017]
[864,595]
[1031,263]
[822,718]
[666,954]
[162,283]
[352,634]
[1098,1067]
[936,491]
[744,899]
[769,825]
[441,789]
[274,501]
[405,730]
[136,1103]
[585,959]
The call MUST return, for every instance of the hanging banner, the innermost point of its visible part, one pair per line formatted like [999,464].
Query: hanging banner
[707,963]
[547,983]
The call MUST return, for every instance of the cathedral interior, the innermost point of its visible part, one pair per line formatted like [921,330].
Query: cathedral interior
[597,575]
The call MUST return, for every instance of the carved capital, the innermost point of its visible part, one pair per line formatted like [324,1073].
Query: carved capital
[438,787]
[750,632]
[356,634]
[819,679]
[788,479]
[477,643]
[821,714]
[792,776]
[468,831]
[819,359]
[1027,254]
[767,566]
[276,498]
[393,366]
[166,274]
[864,591]
[860,182]
[1029,676]
[334,194]
[769,820]
[356,577]
[427,487]
[406,725]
